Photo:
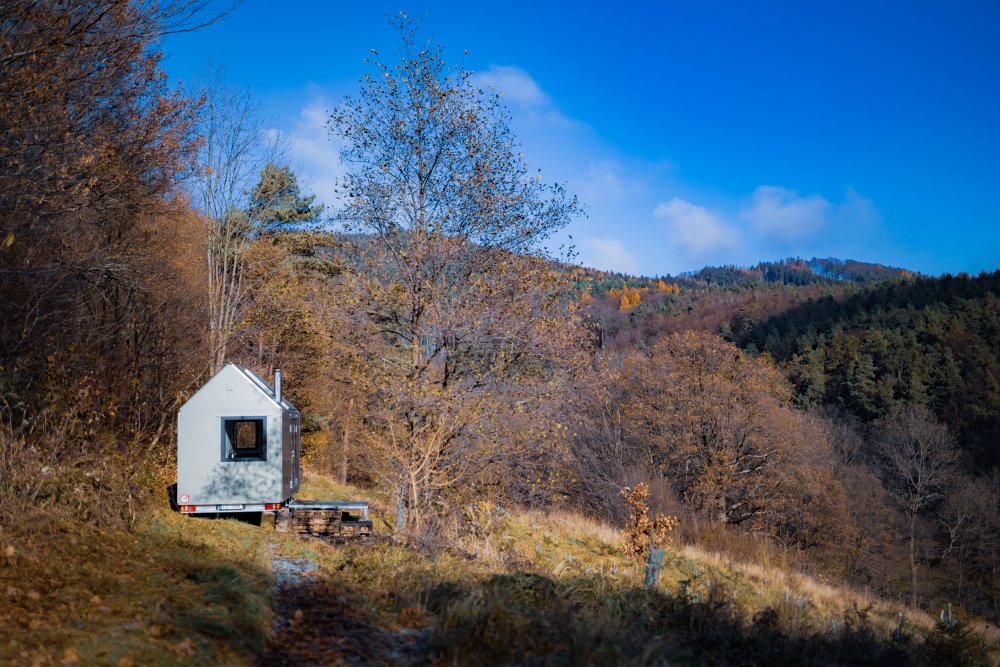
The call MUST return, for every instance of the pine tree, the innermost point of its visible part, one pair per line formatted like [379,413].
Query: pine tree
[277,203]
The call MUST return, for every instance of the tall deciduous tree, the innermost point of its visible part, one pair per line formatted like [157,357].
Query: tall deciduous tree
[235,150]
[461,317]
[719,426]
[92,143]
[916,458]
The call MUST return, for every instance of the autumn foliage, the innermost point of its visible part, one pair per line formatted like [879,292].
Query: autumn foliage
[641,532]
[100,257]
[438,354]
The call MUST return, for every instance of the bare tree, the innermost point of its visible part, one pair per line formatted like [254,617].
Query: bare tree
[970,519]
[234,151]
[916,460]
[604,460]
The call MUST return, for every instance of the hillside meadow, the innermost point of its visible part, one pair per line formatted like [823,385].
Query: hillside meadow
[555,588]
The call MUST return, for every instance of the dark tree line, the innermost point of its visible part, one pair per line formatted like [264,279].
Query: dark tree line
[933,342]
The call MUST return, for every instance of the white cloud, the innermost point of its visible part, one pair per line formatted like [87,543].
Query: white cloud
[784,215]
[314,153]
[607,254]
[695,230]
[514,84]
[522,94]
[857,212]
[603,182]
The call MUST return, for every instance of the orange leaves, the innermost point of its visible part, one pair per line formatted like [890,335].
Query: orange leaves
[641,532]
[701,405]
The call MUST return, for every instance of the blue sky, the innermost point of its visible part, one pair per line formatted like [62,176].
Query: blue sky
[696,133]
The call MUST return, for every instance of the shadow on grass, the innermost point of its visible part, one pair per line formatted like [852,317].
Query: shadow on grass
[530,619]
[317,625]
[171,592]
[213,592]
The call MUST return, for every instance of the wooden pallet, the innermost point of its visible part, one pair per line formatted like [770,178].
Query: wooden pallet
[332,522]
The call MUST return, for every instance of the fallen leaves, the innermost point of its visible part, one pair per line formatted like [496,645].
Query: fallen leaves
[184,647]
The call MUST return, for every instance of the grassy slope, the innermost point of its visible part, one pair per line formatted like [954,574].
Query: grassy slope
[181,590]
[172,592]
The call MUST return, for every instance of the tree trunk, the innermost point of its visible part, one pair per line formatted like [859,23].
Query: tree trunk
[417,519]
[343,459]
[913,559]
[401,509]
[345,444]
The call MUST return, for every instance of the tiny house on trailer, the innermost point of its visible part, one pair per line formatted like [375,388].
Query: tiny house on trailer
[237,445]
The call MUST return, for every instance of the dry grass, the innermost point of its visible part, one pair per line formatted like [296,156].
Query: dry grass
[776,585]
[180,590]
[585,560]
[173,590]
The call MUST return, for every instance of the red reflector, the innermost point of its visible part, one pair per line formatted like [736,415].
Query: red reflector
[187,508]
[272,506]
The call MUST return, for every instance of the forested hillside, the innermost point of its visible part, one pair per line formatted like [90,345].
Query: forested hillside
[723,300]
[873,363]
[528,431]
[931,342]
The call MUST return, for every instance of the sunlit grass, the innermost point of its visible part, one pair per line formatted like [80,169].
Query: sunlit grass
[183,590]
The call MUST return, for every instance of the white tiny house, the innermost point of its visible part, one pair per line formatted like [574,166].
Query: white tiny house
[237,445]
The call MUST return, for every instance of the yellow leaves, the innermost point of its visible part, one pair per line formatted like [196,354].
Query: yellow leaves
[667,289]
[70,657]
[8,241]
[630,298]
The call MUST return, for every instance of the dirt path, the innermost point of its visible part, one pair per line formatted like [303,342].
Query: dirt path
[315,625]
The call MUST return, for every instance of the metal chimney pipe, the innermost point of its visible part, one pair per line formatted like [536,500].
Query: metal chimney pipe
[277,385]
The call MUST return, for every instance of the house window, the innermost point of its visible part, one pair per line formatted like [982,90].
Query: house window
[244,438]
